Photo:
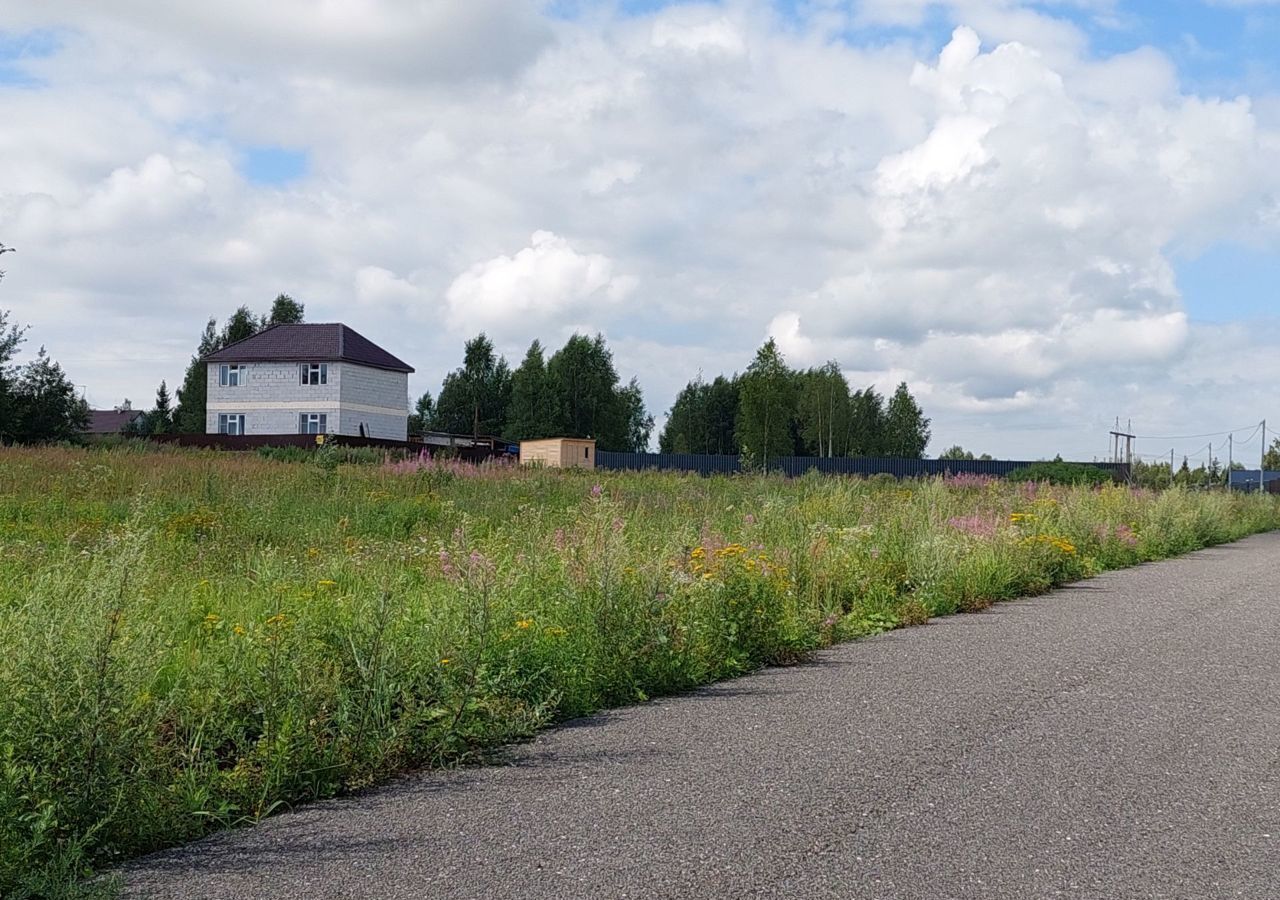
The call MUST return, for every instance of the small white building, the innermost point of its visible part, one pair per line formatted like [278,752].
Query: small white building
[307,379]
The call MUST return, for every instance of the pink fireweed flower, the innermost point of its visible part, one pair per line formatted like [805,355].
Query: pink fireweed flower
[749,519]
[446,564]
[967,480]
[596,490]
[425,462]
[977,526]
[560,540]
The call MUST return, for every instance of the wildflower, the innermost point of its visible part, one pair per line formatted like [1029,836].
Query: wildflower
[238,630]
[1125,535]
[212,620]
[446,564]
[555,632]
[561,541]
[312,552]
[445,661]
[326,583]
[277,619]
[524,623]
[596,490]
[697,553]
[978,526]
[749,519]
[618,525]
[967,480]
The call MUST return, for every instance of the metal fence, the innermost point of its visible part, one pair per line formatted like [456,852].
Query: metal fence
[840,465]
[1247,480]
[308,442]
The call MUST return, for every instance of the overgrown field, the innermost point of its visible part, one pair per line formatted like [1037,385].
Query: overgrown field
[190,640]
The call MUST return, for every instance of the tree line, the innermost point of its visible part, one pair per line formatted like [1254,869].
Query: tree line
[772,410]
[575,392]
[768,411]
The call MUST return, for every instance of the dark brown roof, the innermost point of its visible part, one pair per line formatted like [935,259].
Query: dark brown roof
[333,342]
[110,421]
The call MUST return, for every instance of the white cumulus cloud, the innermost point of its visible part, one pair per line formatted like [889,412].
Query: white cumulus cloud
[547,281]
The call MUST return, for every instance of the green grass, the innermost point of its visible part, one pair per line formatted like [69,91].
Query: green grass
[192,640]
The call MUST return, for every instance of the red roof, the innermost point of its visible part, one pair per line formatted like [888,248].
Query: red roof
[329,342]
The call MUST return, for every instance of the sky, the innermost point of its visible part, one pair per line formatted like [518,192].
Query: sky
[1043,216]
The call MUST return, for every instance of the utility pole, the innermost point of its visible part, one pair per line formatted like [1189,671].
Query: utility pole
[1230,453]
[1262,460]
[1116,455]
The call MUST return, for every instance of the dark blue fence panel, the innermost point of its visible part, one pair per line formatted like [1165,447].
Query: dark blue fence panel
[1247,480]
[669,462]
[843,465]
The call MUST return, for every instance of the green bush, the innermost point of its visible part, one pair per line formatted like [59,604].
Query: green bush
[1059,472]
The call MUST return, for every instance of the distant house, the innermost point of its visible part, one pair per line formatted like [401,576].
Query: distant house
[307,379]
[103,422]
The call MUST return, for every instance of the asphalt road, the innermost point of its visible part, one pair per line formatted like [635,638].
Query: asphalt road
[1116,739]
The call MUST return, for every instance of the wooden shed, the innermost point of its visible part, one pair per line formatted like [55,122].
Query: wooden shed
[559,453]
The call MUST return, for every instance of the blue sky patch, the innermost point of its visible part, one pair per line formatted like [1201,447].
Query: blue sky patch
[1230,281]
[273,165]
[18,48]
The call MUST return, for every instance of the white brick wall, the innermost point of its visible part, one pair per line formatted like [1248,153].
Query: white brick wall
[272,396]
[365,390]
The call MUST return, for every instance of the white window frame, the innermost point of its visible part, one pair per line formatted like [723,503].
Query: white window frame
[314,373]
[231,423]
[313,423]
[232,375]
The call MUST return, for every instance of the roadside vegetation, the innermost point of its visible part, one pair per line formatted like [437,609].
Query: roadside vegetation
[194,640]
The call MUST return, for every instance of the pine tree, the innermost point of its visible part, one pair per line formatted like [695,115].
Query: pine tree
[47,408]
[189,418]
[11,337]
[160,419]
[424,413]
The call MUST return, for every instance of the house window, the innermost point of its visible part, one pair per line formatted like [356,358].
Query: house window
[230,424]
[315,373]
[232,376]
[313,423]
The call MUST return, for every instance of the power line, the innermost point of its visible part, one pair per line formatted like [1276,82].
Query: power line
[1192,437]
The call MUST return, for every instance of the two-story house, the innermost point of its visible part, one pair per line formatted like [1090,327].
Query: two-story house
[307,379]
